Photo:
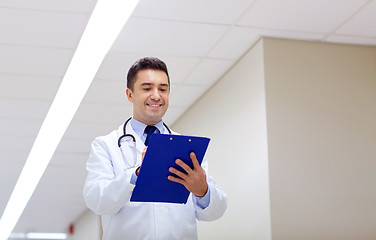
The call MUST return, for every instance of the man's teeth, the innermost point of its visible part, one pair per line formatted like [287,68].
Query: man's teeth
[154,105]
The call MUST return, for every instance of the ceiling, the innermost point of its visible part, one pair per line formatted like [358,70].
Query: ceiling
[198,39]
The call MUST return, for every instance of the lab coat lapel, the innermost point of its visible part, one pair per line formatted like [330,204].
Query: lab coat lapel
[139,144]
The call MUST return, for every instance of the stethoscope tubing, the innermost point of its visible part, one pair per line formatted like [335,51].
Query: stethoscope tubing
[125,134]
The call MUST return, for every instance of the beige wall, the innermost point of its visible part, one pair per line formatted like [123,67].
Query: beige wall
[301,115]
[321,108]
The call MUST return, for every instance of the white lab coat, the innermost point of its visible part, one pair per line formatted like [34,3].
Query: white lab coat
[108,190]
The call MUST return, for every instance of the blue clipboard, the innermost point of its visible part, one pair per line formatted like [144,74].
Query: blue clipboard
[152,184]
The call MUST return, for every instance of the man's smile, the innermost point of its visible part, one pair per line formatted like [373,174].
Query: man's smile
[154,105]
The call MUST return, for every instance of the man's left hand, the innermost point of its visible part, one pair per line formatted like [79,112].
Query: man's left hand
[194,179]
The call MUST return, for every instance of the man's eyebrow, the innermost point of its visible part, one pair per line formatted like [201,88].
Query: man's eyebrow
[150,84]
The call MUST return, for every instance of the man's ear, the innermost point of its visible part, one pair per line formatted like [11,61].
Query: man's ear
[129,94]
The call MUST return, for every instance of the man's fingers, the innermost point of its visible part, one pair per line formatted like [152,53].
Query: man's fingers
[175,179]
[176,172]
[194,160]
[182,164]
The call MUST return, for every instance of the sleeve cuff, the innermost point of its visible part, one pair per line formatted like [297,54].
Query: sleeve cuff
[133,178]
[203,202]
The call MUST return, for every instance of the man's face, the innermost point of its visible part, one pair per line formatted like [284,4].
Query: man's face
[149,96]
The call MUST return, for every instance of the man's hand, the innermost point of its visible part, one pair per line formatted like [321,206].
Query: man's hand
[194,180]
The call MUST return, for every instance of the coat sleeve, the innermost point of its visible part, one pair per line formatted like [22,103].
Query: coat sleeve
[104,191]
[218,200]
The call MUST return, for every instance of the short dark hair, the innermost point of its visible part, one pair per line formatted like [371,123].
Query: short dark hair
[145,63]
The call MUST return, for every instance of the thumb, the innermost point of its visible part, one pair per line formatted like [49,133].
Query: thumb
[143,153]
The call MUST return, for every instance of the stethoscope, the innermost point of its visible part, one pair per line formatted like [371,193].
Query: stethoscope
[125,134]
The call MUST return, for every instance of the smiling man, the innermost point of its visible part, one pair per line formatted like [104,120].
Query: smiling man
[115,161]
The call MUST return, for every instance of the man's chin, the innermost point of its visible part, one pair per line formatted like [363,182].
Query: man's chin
[155,118]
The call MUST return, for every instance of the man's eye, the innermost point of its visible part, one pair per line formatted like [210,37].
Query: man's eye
[146,89]
[163,90]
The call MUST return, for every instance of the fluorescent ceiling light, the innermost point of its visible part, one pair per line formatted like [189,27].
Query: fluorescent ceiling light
[46,236]
[50,236]
[106,21]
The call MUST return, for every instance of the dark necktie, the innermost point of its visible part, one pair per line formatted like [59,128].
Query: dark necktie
[149,130]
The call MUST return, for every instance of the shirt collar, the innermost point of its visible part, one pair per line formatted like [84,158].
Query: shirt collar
[139,127]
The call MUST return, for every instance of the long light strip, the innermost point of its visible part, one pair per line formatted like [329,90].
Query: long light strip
[106,21]
[39,236]
[48,236]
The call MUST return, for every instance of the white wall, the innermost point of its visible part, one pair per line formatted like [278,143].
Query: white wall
[232,114]
[87,227]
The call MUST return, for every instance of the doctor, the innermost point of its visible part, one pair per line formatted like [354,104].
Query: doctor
[115,161]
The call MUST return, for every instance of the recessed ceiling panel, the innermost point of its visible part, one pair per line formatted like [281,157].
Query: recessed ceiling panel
[106,92]
[103,113]
[208,11]
[19,127]
[208,71]
[34,60]
[319,16]
[186,95]
[362,24]
[159,37]
[29,87]
[23,109]
[115,66]
[235,43]
[41,28]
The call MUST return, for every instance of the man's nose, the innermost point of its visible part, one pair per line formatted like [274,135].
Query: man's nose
[155,95]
